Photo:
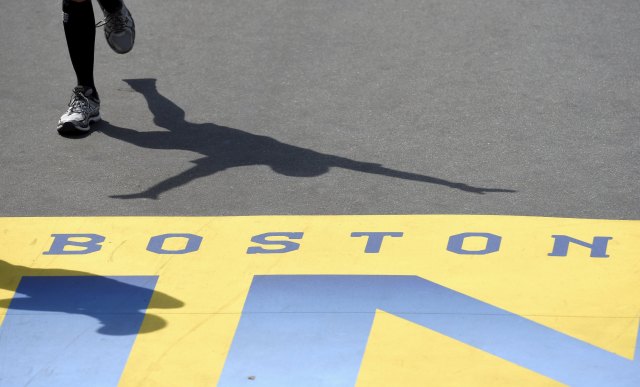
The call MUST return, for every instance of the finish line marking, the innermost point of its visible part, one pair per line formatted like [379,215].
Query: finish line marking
[573,283]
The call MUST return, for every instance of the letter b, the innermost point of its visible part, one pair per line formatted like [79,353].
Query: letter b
[90,244]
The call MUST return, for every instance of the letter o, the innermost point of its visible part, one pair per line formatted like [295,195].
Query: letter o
[456,242]
[157,242]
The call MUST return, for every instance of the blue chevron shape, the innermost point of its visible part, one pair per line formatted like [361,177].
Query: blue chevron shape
[312,330]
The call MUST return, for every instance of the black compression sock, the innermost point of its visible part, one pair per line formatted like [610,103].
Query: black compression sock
[80,31]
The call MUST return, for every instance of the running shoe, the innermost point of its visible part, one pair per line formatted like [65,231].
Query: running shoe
[84,108]
[119,30]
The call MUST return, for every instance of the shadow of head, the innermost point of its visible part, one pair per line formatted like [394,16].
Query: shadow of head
[119,304]
[115,326]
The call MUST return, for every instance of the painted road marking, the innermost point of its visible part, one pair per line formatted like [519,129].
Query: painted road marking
[284,317]
[71,331]
[574,280]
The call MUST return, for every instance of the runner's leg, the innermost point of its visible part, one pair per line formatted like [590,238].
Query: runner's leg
[110,6]
[119,27]
[80,32]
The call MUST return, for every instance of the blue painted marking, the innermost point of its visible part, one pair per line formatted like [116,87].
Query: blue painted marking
[156,244]
[456,241]
[598,247]
[72,331]
[287,245]
[374,239]
[312,331]
[90,244]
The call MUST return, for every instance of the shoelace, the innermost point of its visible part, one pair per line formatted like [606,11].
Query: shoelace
[79,103]
[117,21]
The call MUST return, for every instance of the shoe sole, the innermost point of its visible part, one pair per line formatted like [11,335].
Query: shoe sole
[133,39]
[72,128]
[118,50]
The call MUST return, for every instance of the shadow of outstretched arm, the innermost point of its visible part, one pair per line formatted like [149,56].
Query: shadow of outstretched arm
[378,169]
[154,192]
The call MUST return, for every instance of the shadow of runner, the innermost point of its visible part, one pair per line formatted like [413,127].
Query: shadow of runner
[36,299]
[226,148]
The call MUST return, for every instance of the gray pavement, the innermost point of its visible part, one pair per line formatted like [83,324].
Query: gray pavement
[331,107]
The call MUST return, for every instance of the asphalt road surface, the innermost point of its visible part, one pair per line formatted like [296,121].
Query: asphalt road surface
[331,107]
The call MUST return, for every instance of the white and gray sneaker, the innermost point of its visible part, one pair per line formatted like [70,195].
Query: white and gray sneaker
[119,30]
[84,108]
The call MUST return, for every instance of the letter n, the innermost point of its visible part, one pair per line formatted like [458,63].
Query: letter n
[598,246]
